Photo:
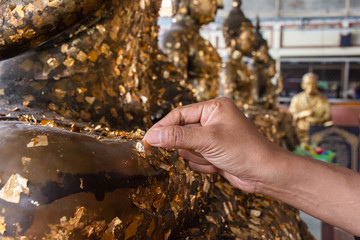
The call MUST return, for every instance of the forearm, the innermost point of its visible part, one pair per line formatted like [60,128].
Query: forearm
[326,191]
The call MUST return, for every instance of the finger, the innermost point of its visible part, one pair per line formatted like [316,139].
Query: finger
[194,113]
[193,158]
[177,137]
[208,169]
[192,125]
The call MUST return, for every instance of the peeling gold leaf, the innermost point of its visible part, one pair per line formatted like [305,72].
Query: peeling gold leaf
[13,188]
[39,141]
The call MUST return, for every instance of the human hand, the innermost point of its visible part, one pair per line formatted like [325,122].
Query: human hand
[215,136]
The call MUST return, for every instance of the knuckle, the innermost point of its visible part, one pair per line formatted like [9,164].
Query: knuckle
[175,135]
[178,117]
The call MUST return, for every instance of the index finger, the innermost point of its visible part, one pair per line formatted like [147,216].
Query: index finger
[189,114]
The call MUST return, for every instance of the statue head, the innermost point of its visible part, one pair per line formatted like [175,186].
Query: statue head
[238,30]
[260,47]
[309,83]
[201,12]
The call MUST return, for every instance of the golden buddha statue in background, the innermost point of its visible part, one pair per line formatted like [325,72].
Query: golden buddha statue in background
[237,80]
[309,107]
[260,67]
[193,56]
[73,76]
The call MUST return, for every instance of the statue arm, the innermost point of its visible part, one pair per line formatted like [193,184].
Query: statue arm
[297,110]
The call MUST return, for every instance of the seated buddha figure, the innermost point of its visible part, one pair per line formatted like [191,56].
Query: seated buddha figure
[193,56]
[309,107]
[77,80]
[259,66]
[237,80]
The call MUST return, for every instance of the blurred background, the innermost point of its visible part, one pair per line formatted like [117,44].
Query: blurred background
[320,36]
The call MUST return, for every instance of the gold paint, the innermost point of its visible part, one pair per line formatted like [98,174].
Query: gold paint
[13,188]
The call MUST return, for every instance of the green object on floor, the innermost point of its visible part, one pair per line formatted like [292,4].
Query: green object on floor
[325,155]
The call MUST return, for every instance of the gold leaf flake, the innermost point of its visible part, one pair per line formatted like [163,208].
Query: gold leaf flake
[25,160]
[49,123]
[151,228]
[69,61]
[140,147]
[54,3]
[15,109]
[2,225]
[81,183]
[165,166]
[81,90]
[26,103]
[59,93]
[19,10]
[166,74]
[192,201]
[52,62]
[167,235]
[2,92]
[101,29]
[211,219]
[13,188]
[29,98]
[131,229]
[115,222]
[77,216]
[64,47]
[90,100]
[255,213]
[39,141]
[105,49]
[206,186]
[81,56]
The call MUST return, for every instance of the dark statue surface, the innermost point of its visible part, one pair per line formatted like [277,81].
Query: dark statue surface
[74,93]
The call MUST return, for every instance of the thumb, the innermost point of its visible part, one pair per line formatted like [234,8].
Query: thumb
[178,137]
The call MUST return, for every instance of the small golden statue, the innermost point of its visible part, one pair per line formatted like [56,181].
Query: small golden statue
[309,107]
[194,57]
[237,80]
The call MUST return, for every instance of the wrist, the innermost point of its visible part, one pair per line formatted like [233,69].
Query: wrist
[274,172]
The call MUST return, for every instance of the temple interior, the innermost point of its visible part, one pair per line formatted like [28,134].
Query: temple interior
[82,81]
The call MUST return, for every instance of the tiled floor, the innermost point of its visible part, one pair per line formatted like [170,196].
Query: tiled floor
[314,225]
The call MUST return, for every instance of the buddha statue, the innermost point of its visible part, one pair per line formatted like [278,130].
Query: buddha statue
[309,107]
[237,80]
[259,66]
[84,71]
[74,92]
[193,56]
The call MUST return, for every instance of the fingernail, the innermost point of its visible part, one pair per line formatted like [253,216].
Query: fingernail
[153,137]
